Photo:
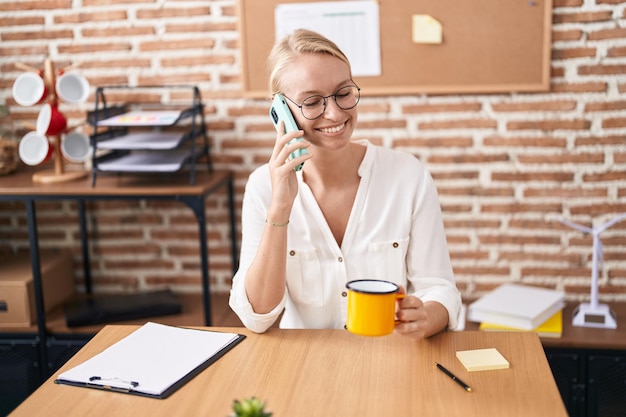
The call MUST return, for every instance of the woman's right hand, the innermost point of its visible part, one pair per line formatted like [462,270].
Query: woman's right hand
[282,173]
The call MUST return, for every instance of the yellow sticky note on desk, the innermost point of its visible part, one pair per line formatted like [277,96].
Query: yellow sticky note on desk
[482,359]
[426,29]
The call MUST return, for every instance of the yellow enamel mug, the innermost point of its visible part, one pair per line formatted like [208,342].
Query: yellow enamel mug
[372,307]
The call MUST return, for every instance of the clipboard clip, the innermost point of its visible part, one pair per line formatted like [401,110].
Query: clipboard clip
[113,383]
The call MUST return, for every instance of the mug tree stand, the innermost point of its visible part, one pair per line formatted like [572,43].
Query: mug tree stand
[58,174]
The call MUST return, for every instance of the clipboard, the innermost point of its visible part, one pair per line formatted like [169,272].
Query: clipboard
[154,361]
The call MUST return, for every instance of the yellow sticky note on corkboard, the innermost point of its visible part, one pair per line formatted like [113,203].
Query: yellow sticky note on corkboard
[426,29]
[482,359]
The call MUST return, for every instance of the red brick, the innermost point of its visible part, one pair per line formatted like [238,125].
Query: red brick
[532,176]
[607,69]
[476,191]
[167,12]
[547,125]
[567,35]
[614,122]
[17,5]
[569,158]
[100,16]
[582,17]
[37,35]
[566,192]
[613,33]
[588,87]
[459,124]
[522,208]
[445,142]
[541,106]
[566,3]
[556,272]
[525,142]
[572,53]
[618,51]
[606,106]
[467,159]
[601,140]
[204,27]
[116,32]
[205,43]
[481,271]
[441,108]
[112,2]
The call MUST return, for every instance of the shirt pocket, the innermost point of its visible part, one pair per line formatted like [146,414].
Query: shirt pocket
[387,260]
[304,278]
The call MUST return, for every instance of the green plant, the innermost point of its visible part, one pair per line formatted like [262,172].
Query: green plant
[250,407]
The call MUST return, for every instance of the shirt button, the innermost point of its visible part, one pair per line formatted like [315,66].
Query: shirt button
[340,259]
[292,252]
[395,244]
[344,294]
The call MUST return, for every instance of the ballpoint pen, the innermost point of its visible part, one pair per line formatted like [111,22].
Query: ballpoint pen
[454,377]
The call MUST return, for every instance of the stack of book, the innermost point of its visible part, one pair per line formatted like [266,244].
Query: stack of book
[515,307]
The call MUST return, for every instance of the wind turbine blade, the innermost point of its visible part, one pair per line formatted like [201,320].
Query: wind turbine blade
[611,222]
[577,226]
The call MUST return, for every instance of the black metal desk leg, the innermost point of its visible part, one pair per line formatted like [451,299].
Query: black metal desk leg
[197,205]
[233,230]
[33,241]
[84,245]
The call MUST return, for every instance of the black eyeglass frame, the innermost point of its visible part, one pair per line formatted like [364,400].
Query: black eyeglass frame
[324,101]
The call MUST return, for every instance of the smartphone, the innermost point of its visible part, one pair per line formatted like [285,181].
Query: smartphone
[280,111]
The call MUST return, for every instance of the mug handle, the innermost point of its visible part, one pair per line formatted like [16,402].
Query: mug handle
[399,296]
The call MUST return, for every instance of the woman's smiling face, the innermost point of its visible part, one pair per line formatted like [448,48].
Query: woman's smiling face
[320,74]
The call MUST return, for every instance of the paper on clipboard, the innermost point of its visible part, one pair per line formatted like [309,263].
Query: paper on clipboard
[143,118]
[352,25]
[153,361]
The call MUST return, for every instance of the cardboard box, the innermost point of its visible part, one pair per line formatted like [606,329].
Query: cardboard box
[17,292]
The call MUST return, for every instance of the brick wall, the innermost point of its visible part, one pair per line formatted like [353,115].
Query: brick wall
[507,166]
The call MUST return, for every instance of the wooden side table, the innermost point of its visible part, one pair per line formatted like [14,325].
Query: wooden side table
[20,187]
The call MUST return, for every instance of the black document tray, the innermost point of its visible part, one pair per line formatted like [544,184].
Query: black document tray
[106,308]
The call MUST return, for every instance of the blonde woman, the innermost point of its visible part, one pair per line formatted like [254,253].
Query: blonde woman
[354,211]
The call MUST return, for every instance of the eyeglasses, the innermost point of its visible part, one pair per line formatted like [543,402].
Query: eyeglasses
[313,107]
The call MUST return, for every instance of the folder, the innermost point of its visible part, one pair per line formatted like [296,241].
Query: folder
[153,361]
[553,327]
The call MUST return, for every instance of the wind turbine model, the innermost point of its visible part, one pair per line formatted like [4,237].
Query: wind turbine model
[594,314]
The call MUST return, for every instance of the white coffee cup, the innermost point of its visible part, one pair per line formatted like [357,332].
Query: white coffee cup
[34,149]
[75,147]
[72,87]
[29,89]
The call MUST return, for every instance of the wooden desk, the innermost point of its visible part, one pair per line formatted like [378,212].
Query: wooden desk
[331,373]
[173,187]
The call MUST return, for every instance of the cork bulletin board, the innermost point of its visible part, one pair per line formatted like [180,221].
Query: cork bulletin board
[487,46]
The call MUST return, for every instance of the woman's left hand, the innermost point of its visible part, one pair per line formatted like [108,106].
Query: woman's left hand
[418,319]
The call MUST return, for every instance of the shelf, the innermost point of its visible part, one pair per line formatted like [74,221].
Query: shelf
[144,118]
[155,161]
[144,140]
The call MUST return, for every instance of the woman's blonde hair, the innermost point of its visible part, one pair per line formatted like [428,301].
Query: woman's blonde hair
[301,41]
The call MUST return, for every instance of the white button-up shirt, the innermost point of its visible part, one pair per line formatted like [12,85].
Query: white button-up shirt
[394,233]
